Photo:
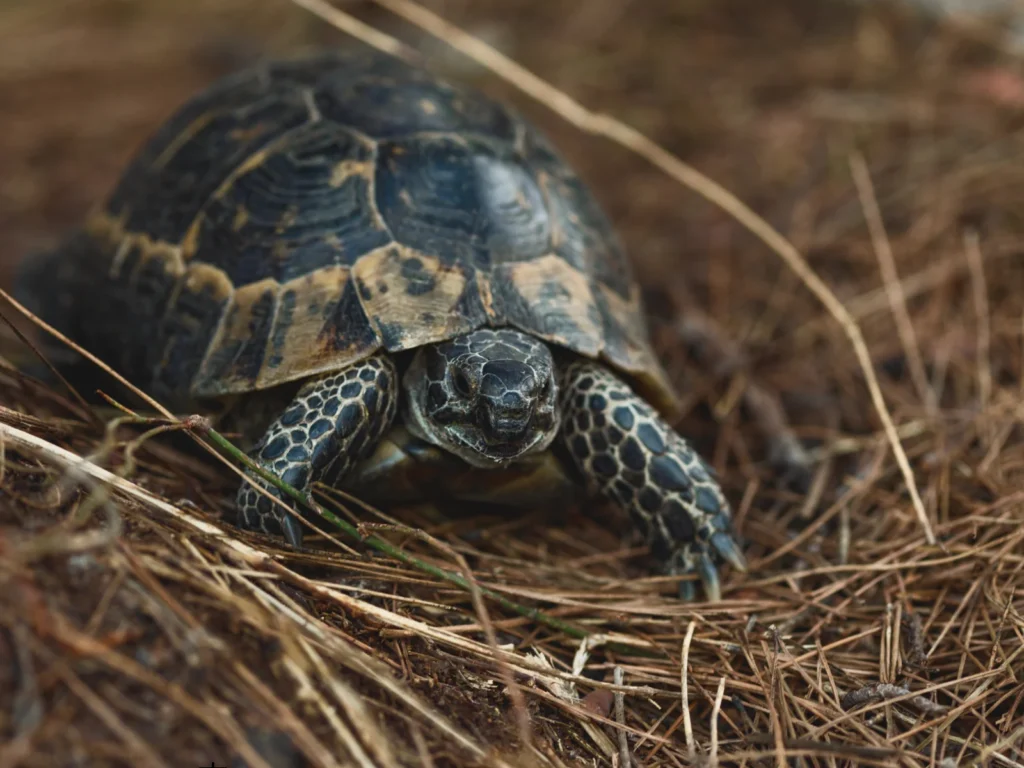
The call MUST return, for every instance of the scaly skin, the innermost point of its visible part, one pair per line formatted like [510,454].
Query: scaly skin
[630,455]
[490,397]
[334,421]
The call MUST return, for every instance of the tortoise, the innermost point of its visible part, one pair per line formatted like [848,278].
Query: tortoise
[403,277]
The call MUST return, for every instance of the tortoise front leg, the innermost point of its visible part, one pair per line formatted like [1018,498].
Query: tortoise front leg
[628,453]
[334,421]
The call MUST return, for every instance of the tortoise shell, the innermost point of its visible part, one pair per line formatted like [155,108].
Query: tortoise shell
[298,216]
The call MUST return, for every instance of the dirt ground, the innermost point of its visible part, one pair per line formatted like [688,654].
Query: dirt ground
[135,629]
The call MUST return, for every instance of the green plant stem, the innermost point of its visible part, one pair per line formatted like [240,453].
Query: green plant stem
[381,545]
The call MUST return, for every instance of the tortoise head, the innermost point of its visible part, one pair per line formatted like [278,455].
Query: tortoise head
[489,396]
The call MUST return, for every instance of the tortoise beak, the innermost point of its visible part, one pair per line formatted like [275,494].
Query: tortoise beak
[481,451]
[508,429]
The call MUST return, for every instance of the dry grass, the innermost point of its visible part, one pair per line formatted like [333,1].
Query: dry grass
[137,628]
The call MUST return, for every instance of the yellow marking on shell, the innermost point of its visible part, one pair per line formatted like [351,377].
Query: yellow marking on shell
[286,222]
[182,138]
[300,345]
[146,256]
[422,308]
[483,285]
[243,301]
[572,312]
[199,277]
[233,330]
[110,229]
[305,343]
[255,160]
[279,250]
[206,276]
[428,107]
[544,181]
[103,226]
[344,170]
[191,239]
[166,252]
[240,219]
[303,340]
[371,183]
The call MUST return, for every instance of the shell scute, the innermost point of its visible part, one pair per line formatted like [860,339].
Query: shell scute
[189,157]
[550,297]
[305,204]
[200,301]
[409,285]
[462,199]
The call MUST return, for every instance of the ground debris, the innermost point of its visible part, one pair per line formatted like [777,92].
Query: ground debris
[886,691]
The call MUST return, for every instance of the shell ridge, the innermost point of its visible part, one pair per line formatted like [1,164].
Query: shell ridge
[188,241]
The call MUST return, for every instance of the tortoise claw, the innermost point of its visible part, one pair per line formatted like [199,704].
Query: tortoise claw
[702,563]
[291,528]
[687,591]
[726,548]
[708,574]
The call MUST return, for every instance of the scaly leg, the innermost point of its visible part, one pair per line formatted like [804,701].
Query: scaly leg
[334,421]
[629,454]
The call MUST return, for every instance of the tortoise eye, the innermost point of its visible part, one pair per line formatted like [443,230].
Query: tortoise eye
[461,382]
